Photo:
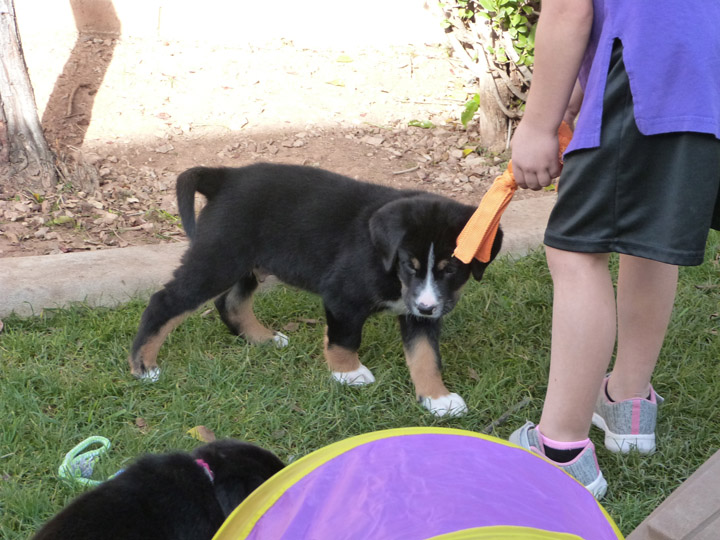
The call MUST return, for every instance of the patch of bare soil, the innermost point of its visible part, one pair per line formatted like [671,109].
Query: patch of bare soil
[127,116]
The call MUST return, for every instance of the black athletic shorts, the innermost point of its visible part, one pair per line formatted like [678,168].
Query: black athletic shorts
[654,197]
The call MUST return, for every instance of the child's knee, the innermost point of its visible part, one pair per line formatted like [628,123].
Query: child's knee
[565,265]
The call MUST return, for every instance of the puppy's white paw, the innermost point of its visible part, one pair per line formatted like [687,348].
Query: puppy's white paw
[280,340]
[152,375]
[357,377]
[450,405]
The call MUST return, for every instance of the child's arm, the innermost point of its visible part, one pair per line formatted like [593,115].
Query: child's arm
[573,108]
[560,41]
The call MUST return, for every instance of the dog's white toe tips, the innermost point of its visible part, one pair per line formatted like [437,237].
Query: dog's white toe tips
[280,340]
[357,377]
[450,405]
[152,375]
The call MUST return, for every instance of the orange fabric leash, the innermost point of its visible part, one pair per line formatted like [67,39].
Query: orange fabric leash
[477,237]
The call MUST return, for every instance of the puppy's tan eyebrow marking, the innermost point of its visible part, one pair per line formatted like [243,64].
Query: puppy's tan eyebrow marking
[415,263]
[442,264]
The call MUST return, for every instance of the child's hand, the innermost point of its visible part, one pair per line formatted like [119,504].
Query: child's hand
[535,159]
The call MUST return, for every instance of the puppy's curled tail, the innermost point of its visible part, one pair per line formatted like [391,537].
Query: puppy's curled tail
[198,179]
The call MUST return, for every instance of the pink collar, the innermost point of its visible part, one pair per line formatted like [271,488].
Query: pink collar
[206,467]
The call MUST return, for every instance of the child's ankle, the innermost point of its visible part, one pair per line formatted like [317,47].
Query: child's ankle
[562,452]
[620,394]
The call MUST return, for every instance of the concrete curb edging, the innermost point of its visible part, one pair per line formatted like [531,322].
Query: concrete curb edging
[111,277]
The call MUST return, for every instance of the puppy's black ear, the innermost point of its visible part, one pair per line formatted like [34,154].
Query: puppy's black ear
[478,268]
[387,232]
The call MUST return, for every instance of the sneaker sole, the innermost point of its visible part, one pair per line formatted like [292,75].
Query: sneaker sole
[598,487]
[624,443]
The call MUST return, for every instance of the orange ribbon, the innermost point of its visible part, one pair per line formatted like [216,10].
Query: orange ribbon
[477,237]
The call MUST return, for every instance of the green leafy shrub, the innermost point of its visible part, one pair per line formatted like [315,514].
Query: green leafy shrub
[499,36]
[517,18]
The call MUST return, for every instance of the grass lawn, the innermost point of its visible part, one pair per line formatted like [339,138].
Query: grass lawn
[64,377]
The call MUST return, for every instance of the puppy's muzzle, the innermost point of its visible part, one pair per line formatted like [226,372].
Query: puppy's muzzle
[429,310]
[433,310]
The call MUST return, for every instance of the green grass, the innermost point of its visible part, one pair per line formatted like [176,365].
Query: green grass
[64,377]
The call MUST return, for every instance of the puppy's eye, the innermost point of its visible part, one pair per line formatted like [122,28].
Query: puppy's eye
[445,268]
[409,267]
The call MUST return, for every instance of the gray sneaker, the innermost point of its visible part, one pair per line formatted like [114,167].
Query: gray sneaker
[629,424]
[584,468]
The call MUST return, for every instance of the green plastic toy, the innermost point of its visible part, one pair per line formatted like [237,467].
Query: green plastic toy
[79,462]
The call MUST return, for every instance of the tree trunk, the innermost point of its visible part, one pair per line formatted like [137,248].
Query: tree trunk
[492,121]
[490,117]
[25,157]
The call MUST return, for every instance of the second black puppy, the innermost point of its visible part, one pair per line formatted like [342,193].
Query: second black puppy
[176,496]
[362,247]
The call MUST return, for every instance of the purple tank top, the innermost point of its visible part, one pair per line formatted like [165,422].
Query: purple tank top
[671,51]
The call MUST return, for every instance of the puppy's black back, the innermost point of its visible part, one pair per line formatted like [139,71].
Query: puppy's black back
[166,496]
[156,498]
[297,201]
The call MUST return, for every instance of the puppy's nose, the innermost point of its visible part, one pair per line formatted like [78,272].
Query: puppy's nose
[426,309]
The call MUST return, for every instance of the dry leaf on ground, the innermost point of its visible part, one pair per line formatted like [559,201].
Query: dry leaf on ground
[201,433]
[142,425]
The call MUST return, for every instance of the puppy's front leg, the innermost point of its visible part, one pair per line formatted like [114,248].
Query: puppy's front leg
[343,335]
[422,353]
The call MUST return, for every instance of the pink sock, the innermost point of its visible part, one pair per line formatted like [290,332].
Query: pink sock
[558,445]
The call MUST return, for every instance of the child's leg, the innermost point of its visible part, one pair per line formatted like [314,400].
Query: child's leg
[645,298]
[583,340]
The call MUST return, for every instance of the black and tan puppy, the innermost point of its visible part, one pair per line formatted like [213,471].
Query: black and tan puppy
[362,247]
[180,496]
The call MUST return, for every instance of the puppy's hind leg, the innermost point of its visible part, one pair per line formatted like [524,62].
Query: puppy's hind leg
[236,310]
[167,309]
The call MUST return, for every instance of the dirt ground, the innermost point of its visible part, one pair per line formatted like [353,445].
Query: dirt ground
[127,116]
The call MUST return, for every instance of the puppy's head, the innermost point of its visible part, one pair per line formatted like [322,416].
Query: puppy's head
[416,237]
[238,468]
